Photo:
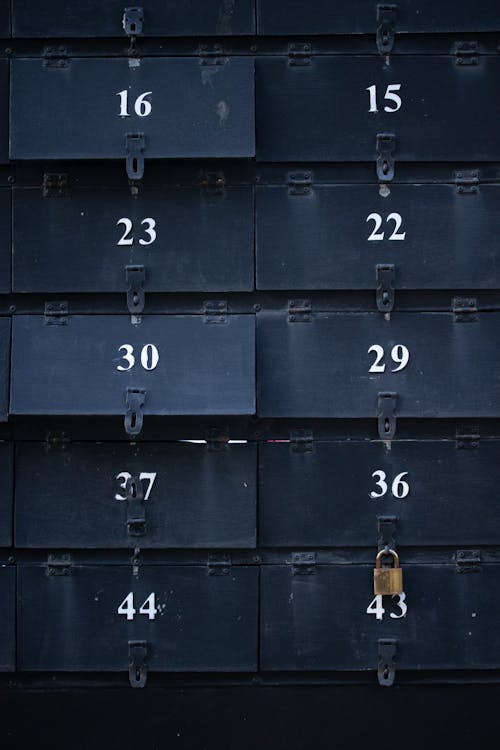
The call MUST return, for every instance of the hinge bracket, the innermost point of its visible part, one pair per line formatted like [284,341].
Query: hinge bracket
[134,418]
[465,309]
[299,53]
[303,563]
[55,57]
[59,565]
[467,181]
[56,313]
[386,526]
[468,560]
[301,441]
[217,439]
[385,294]
[136,511]
[135,143]
[387,650]
[215,311]
[467,436]
[211,55]
[54,184]
[299,311]
[386,21]
[219,564]
[386,146]
[299,183]
[466,53]
[387,403]
[137,663]
[133,21]
[135,277]
[212,183]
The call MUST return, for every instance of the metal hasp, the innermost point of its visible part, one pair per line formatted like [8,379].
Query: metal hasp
[385,294]
[137,663]
[386,527]
[135,143]
[133,20]
[387,651]
[135,277]
[136,511]
[386,145]
[386,20]
[134,417]
[387,415]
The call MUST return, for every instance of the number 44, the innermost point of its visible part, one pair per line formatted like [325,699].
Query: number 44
[148,608]
[376,608]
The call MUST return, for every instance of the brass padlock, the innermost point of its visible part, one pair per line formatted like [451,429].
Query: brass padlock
[387,581]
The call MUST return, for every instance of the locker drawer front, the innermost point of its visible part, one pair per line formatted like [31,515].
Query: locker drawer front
[6,501]
[97,103]
[436,365]
[76,495]
[5,239]
[335,236]
[321,112]
[359,17]
[159,18]
[8,619]
[4,111]
[193,622]
[5,337]
[186,240]
[446,620]
[439,492]
[183,364]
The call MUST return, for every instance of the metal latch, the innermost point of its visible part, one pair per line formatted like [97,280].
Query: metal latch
[467,181]
[301,441]
[387,651]
[54,184]
[137,663]
[386,526]
[386,146]
[387,415]
[299,183]
[465,309]
[133,21]
[56,313]
[386,21]
[59,564]
[135,277]
[136,512]
[299,311]
[385,294]
[134,418]
[466,53]
[135,143]
[299,53]
[219,564]
[303,563]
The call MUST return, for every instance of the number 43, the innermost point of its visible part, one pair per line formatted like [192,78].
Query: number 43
[376,608]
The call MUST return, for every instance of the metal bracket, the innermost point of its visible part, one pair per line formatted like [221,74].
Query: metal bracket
[136,512]
[303,563]
[54,184]
[386,21]
[301,441]
[385,293]
[386,526]
[299,311]
[211,55]
[465,309]
[56,440]
[219,565]
[468,560]
[55,57]
[59,565]
[212,183]
[134,418]
[299,53]
[299,183]
[215,311]
[135,277]
[466,53]
[387,403]
[133,21]
[56,313]
[135,143]
[387,651]
[386,145]
[137,663]
[217,439]
[467,181]
[467,436]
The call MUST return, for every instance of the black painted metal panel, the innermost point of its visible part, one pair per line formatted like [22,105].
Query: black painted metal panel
[73,112]
[4,19]
[334,236]
[360,17]
[194,496]
[91,18]
[322,368]
[440,492]
[203,622]
[320,112]
[4,111]
[7,498]
[186,239]
[5,239]
[5,338]
[319,621]
[202,367]
[8,619]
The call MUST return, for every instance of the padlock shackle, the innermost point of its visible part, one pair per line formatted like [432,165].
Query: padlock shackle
[395,556]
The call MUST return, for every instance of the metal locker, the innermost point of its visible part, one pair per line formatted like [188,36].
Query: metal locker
[162,495]
[4,111]
[7,500]
[8,618]
[5,239]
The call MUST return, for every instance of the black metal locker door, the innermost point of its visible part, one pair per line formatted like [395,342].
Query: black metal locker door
[7,499]
[8,618]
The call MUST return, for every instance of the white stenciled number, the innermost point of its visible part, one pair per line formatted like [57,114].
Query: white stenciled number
[400,355]
[128,239]
[150,357]
[389,96]
[142,106]
[148,476]
[376,607]
[148,608]
[399,487]
[377,236]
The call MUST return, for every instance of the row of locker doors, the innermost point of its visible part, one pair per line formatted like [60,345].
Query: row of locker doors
[328,108]
[240,496]
[296,236]
[180,618]
[74,18]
